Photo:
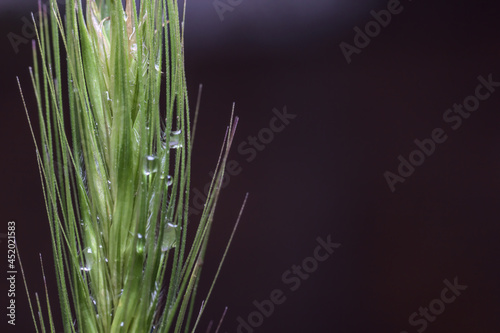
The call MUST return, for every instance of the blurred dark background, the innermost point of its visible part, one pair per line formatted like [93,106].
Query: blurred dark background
[324,173]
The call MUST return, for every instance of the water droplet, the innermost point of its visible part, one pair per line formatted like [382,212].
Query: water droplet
[107,96]
[150,165]
[122,324]
[88,259]
[140,244]
[169,179]
[169,237]
[175,140]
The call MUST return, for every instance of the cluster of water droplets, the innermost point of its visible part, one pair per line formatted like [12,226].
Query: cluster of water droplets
[152,162]
[151,166]
[167,242]
[89,257]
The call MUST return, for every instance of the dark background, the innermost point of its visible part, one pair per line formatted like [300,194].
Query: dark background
[323,174]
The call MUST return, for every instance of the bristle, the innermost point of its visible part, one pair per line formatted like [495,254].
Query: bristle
[221,320]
